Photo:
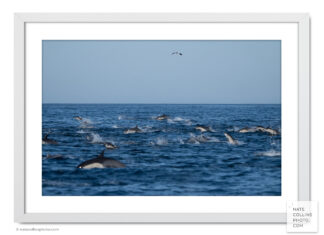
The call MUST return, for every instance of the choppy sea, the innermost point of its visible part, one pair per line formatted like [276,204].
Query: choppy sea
[169,157]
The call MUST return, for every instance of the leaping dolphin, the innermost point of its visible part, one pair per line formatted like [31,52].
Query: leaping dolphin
[268,130]
[230,139]
[271,131]
[162,117]
[101,162]
[247,130]
[109,145]
[259,128]
[133,130]
[202,128]
[78,118]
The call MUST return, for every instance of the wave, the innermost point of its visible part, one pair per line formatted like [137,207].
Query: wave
[166,130]
[130,142]
[269,153]
[55,183]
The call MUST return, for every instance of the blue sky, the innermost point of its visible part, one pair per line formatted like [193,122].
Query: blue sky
[139,71]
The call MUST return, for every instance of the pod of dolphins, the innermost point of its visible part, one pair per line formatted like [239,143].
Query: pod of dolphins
[105,162]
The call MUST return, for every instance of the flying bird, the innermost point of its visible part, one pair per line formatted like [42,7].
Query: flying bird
[176,53]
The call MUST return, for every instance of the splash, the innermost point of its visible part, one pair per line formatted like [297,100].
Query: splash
[147,129]
[86,123]
[95,138]
[193,139]
[180,119]
[180,141]
[213,140]
[160,142]
[170,121]
[197,139]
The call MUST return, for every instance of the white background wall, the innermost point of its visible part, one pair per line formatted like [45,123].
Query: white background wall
[7,8]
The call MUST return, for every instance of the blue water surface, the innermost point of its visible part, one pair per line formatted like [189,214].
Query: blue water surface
[170,157]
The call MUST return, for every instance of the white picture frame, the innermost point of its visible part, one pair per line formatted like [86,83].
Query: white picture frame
[21,19]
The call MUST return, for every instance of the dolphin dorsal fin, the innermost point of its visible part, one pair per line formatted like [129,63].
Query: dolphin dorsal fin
[45,137]
[102,153]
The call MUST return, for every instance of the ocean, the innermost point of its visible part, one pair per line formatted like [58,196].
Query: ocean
[168,157]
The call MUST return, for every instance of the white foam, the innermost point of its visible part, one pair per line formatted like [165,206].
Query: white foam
[180,141]
[188,123]
[86,121]
[201,138]
[193,139]
[234,128]
[239,142]
[160,142]
[179,119]
[146,129]
[81,132]
[270,153]
[213,139]
[170,121]
[236,142]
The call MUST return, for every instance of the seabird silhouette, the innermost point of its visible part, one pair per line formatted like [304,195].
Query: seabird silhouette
[176,53]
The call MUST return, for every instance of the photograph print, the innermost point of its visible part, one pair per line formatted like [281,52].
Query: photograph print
[161,118]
